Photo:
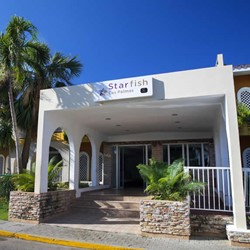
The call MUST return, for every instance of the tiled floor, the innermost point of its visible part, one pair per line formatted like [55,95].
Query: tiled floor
[97,219]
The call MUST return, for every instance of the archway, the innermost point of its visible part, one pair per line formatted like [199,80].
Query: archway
[58,164]
[85,156]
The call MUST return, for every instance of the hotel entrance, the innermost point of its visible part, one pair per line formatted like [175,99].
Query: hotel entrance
[128,158]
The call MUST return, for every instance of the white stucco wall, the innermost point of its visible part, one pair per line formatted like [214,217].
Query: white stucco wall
[193,83]
[179,89]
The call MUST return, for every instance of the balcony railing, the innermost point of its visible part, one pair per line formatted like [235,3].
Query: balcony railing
[216,194]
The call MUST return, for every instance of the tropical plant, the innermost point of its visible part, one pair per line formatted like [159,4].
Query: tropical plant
[26,180]
[6,186]
[54,168]
[52,71]
[27,66]
[168,182]
[4,208]
[14,46]
[243,114]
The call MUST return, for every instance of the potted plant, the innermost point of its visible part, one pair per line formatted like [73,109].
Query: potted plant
[243,115]
[168,212]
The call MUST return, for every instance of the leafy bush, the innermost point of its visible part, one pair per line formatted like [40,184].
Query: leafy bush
[26,180]
[4,208]
[54,168]
[243,114]
[83,185]
[6,185]
[62,185]
[168,182]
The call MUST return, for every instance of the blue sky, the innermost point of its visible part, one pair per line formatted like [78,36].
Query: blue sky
[125,38]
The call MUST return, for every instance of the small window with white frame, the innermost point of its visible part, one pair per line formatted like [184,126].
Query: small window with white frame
[243,96]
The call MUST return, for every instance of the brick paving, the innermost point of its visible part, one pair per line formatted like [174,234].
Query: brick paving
[89,224]
[116,239]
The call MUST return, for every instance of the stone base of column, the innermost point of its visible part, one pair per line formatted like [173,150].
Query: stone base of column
[238,237]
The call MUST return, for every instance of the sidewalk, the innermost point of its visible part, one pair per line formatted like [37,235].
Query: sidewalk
[104,240]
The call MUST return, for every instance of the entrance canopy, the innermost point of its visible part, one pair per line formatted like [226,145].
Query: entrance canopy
[195,104]
[170,116]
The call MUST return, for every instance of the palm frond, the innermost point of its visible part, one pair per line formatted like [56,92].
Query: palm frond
[168,182]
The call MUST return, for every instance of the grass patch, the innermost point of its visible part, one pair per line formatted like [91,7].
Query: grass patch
[4,207]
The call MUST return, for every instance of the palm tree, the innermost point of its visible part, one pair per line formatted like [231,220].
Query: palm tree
[14,44]
[27,66]
[6,141]
[51,71]
[168,182]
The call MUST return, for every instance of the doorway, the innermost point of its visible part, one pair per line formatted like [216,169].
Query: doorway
[128,158]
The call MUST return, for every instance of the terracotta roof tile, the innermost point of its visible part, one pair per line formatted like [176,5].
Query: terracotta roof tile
[242,66]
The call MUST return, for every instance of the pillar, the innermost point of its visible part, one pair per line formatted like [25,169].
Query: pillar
[157,151]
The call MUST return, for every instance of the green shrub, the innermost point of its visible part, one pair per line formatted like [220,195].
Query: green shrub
[243,114]
[4,208]
[6,185]
[54,168]
[168,182]
[83,185]
[26,180]
[62,185]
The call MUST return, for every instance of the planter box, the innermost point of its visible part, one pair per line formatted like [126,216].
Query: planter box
[36,208]
[170,218]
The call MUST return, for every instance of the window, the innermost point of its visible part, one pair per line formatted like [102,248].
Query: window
[84,167]
[194,154]
[243,96]
[100,167]
[246,158]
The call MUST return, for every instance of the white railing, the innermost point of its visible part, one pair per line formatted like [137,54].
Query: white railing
[216,194]
[246,185]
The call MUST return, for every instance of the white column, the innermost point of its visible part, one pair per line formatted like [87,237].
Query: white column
[44,133]
[235,163]
[74,168]
[95,144]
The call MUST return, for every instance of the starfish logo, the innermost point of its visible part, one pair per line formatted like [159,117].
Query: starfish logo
[103,92]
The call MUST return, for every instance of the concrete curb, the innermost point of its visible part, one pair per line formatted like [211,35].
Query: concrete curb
[61,242]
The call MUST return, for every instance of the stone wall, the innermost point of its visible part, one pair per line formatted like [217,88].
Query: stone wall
[238,237]
[165,217]
[206,224]
[31,207]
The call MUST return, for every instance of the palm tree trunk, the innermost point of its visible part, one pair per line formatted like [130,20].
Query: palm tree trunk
[26,148]
[31,133]
[14,125]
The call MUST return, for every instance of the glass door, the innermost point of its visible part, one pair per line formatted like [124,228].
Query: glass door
[129,157]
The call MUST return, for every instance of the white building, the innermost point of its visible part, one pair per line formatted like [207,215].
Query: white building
[114,125]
